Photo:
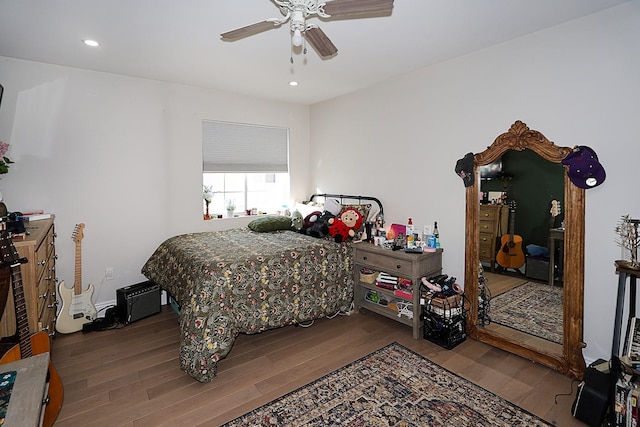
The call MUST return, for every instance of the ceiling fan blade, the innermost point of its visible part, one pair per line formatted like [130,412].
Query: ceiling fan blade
[249,30]
[320,42]
[337,8]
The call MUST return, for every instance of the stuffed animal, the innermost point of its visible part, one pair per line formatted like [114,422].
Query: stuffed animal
[309,220]
[320,227]
[296,221]
[346,225]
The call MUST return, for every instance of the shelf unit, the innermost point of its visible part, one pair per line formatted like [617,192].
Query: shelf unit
[396,263]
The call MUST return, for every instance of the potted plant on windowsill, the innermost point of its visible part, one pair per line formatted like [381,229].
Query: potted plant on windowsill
[207,195]
[231,207]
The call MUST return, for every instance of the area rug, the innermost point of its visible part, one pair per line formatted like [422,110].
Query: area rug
[534,308]
[393,386]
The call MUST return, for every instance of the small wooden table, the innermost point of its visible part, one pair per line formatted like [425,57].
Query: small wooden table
[27,396]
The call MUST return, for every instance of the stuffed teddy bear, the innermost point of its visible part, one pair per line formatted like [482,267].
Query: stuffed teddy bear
[346,225]
[320,227]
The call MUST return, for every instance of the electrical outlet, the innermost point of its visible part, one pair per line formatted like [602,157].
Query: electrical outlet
[108,273]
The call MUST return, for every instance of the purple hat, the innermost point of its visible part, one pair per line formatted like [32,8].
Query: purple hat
[464,169]
[584,169]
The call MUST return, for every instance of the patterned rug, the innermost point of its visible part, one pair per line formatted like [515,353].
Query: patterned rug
[392,386]
[535,308]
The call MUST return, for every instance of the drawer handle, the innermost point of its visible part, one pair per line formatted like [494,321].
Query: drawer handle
[55,304]
[45,295]
[42,262]
[364,258]
[484,239]
[398,266]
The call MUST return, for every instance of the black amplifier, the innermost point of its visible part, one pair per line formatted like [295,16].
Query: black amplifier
[137,301]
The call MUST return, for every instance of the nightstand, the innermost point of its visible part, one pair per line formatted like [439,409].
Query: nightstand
[399,264]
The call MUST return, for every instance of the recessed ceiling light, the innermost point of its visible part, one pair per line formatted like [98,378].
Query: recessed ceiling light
[293,83]
[91,43]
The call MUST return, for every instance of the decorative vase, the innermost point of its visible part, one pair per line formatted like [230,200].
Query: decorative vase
[229,213]
[206,214]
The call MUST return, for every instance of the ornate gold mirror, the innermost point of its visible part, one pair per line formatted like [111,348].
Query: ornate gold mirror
[569,360]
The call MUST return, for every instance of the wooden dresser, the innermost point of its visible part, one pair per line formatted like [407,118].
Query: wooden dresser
[398,264]
[38,279]
[493,223]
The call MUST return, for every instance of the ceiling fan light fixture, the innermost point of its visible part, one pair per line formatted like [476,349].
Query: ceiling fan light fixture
[296,38]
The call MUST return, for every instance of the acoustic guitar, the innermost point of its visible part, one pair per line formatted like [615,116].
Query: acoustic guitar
[29,345]
[77,306]
[511,255]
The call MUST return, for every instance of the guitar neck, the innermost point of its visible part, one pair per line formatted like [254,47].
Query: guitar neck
[512,225]
[22,319]
[77,282]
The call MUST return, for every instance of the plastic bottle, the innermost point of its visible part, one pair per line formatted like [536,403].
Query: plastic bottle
[436,234]
[409,234]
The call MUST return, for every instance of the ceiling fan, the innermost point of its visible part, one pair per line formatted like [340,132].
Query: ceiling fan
[298,11]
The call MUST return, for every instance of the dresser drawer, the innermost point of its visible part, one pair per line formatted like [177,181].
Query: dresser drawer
[486,239]
[385,263]
[487,227]
[488,213]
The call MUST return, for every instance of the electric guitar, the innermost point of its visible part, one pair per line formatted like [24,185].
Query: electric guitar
[511,254]
[29,345]
[77,306]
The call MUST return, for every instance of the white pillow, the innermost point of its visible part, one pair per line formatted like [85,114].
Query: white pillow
[306,208]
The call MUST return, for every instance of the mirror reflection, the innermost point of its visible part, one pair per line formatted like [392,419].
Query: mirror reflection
[521,246]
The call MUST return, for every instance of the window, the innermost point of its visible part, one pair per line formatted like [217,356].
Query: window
[246,166]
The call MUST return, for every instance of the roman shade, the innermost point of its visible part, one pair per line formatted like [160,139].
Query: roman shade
[238,147]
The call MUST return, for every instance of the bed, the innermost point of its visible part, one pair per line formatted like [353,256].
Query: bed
[243,281]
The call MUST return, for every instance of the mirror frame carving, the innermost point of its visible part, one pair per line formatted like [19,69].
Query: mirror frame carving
[571,361]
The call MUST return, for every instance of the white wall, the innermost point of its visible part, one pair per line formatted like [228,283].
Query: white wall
[123,156]
[577,83]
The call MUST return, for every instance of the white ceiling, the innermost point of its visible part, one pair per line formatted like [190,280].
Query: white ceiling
[179,40]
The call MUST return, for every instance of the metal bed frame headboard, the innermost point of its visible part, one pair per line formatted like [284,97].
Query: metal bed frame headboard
[342,197]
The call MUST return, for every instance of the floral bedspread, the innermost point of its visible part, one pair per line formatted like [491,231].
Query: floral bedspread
[240,281]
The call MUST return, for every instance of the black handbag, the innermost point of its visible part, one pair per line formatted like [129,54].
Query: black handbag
[592,398]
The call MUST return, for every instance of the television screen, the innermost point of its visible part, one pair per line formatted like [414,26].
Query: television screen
[491,171]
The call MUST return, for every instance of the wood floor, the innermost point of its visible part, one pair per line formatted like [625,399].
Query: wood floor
[131,376]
